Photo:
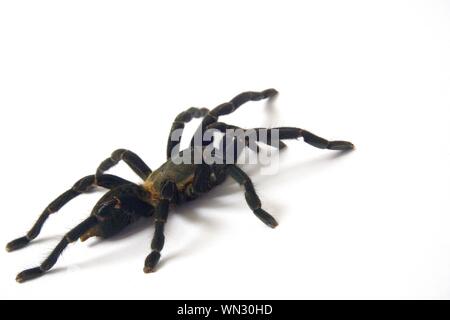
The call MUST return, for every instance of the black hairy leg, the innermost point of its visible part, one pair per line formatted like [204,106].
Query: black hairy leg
[82,186]
[231,106]
[223,127]
[130,158]
[286,133]
[72,236]
[312,139]
[251,197]
[168,194]
[180,122]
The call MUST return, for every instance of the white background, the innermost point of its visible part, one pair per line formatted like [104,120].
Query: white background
[81,79]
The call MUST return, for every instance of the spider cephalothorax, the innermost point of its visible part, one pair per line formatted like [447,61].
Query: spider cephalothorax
[119,208]
[171,184]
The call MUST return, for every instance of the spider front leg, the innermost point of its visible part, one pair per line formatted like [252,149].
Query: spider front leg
[72,236]
[168,193]
[82,186]
[251,197]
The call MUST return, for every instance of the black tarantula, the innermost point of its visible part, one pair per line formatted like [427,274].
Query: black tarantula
[170,185]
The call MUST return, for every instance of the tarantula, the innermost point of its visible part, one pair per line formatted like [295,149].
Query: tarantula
[170,185]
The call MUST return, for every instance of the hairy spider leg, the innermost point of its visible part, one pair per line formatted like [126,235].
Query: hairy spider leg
[312,139]
[283,133]
[72,236]
[168,193]
[82,186]
[179,123]
[286,133]
[130,158]
[223,127]
[231,106]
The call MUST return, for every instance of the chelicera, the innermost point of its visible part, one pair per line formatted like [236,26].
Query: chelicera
[170,185]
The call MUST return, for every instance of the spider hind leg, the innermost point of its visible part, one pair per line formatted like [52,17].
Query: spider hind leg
[251,197]
[231,106]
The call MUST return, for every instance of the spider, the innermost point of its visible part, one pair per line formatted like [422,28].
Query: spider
[170,185]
